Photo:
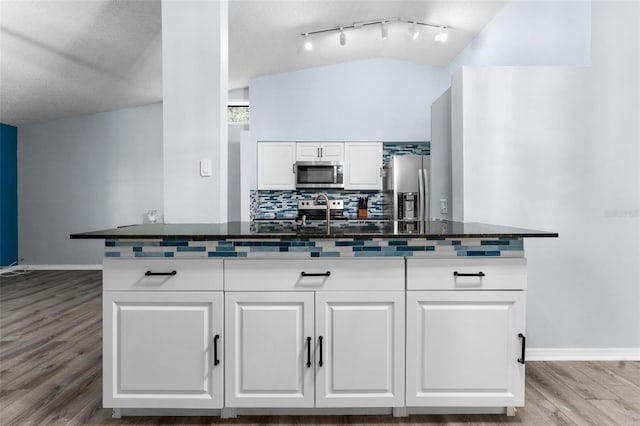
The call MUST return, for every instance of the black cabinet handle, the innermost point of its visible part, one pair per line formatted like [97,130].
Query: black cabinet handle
[314,274]
[524,344]
[216,361]
[459,274]
[149,273]
[320,341]
[308,352]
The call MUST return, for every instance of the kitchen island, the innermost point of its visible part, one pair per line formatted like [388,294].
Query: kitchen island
[372,317]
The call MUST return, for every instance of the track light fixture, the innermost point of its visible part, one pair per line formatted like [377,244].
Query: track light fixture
[384,30]
[442,35]
[415,33]
[307,43]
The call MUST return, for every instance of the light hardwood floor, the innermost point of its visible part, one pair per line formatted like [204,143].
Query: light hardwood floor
[50,370]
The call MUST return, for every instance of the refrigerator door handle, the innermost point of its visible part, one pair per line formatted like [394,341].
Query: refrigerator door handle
[421,194]
[426,203]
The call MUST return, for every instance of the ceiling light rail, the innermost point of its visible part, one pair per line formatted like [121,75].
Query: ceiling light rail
[440,37]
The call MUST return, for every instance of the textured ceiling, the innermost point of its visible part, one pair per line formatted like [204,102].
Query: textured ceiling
[71,57]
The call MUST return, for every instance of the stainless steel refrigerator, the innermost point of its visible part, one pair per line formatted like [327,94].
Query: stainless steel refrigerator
[407,183]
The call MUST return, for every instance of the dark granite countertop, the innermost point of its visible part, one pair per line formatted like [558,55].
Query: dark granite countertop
[316,229]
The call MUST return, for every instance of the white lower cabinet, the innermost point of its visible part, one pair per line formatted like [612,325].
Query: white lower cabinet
[310,347]
[268,349]
[313,333]
[162,349]
[353,358]
[360,349]
[464,349]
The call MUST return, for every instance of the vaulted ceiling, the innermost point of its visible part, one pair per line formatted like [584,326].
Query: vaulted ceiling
[71,57]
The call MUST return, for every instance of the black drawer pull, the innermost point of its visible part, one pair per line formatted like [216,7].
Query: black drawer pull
[524,344]
[216,361]
[308,352]
[459,274]
[315,274]
[153,274]
[320,341]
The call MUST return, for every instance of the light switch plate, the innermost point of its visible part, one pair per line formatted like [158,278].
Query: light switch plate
[206,167]
[444,208]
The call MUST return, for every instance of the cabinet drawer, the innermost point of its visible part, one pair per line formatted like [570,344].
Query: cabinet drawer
[314,274]
[138,274]
[467,274]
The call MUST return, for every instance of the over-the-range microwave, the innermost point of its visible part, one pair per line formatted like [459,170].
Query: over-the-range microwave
[319,174]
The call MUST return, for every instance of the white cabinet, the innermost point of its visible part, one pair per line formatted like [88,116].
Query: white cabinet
[269,342]
[363,165]
[463,348]
[360,338]
[162,333]
[292,343]
[162,349]
[276,165]
[333,151]
[465,333]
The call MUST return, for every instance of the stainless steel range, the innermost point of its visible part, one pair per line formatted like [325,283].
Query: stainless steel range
[316,210]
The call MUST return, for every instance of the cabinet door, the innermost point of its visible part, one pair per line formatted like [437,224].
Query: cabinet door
[161,349]
[275,165]
[363,165]
[267,349]
[307,152]
[463,348]
[332,151]
[362,349]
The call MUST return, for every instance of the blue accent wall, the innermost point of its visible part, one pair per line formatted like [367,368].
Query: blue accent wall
[8,194]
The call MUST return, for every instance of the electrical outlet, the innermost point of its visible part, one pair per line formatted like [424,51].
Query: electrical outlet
[444,208]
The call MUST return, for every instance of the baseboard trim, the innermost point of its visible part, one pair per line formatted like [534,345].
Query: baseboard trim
[62,267]
[583,354]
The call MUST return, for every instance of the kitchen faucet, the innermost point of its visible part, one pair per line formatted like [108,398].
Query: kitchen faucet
[326,200]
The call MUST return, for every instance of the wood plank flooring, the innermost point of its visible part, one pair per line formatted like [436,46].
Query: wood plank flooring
[50,370]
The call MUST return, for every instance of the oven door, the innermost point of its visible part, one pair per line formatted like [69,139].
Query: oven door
[319,174]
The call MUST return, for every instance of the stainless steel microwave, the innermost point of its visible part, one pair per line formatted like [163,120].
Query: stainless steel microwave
[319,174]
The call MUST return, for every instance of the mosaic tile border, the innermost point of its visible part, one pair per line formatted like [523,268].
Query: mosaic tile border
[306,248]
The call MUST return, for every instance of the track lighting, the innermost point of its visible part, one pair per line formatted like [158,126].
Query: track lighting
[441,37]
[415,33]
[307,43]
[384,30]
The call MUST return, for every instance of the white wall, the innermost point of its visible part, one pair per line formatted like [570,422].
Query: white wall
[556,148]
[237,166]
[194,90]
[529,32]
[86,173]
[441,174]
[371,100]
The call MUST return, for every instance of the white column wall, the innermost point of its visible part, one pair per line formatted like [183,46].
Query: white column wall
[195,74]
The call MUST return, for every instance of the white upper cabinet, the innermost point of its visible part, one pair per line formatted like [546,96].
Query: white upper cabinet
[275,165]
[320,151]
[363,165]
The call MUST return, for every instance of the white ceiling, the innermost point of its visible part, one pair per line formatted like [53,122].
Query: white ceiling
[71,57]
